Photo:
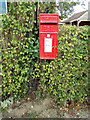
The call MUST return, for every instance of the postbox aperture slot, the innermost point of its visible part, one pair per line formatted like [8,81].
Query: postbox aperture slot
[48,23]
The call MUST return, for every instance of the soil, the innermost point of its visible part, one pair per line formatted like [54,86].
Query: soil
[44,109]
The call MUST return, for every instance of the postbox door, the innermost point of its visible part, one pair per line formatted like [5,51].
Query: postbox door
[48,46]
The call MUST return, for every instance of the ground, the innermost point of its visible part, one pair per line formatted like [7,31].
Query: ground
[46,108]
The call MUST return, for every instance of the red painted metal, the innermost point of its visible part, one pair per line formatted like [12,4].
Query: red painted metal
[48,35]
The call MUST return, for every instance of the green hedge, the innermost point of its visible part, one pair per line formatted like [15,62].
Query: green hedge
[19,53]
[66,78]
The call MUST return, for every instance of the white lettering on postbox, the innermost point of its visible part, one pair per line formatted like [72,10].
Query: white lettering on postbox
[48,45]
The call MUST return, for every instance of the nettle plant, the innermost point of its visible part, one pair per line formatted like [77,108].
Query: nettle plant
[66,78]
[20,49]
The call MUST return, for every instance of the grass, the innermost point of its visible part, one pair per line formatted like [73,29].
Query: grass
[32,115]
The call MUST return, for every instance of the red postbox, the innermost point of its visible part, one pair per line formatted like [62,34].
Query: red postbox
[48,35]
